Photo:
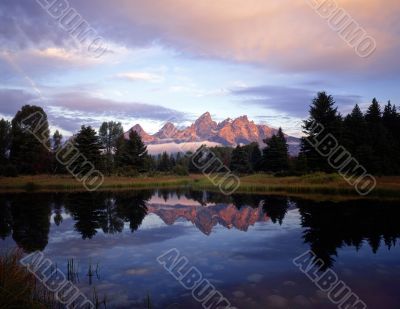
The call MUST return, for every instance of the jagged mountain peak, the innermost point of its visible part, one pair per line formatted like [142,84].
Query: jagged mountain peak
[137,127]
[147,138]
[206,115]
[205,126]
[168,125]
[205,118]
[168,131]
[243,118]
[229,132]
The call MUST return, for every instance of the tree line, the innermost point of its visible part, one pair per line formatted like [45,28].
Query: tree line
[372,138]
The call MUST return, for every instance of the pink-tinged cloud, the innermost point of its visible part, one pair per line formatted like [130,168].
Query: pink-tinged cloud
[280,34]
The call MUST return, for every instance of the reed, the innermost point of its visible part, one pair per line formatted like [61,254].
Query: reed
[72,271]
[19,288]
[96,300]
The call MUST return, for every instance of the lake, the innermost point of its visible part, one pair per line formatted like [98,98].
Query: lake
[244,245]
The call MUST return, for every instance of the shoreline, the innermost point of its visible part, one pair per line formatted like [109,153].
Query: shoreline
[323,186]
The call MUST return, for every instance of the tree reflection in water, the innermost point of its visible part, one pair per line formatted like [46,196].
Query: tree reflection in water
[331,226]
[327,226]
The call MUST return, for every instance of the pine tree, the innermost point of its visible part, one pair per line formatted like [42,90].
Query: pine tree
[378,142]
[354,137]
[172,161]
[276,154]
[390,118]
[179,159]
[88,144]
[391,122]
[164,164]
[240,162]
[374,113]
[323,113]
[255,157]
[131,153]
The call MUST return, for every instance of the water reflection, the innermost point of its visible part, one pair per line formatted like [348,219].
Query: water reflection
[331,226]
[326,226]
[27,220]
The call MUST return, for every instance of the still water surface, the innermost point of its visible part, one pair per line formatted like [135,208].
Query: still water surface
[244,244]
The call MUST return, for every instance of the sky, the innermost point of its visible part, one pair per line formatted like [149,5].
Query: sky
[177,59]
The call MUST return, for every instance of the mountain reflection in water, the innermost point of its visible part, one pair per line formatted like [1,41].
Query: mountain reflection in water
[326,226]
[246,232]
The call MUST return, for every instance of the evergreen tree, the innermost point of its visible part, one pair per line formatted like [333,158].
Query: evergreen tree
[390,119]
[276,154]
[391,122]
[131,153]
[354,137]
[223,153]
[172,161]
[374,113]
[29,154]
[255,156]
[109,134]
[164,164]
[88,144]
[322,112]
[378,142]
[240,162]
[179,159]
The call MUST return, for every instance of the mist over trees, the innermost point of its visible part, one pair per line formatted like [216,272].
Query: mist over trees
[372,138]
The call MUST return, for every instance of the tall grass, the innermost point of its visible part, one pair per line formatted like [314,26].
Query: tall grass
[310,184]
[19,288]
[72,271]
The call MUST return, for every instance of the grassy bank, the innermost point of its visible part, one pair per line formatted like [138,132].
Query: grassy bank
[314,184]
[320,185]
[46,183]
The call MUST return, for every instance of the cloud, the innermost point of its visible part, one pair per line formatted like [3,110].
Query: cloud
[289,100]
[140,76]
[70,110]
[11,100]
[24,24]
[279,34]
[39,62]
[83,102]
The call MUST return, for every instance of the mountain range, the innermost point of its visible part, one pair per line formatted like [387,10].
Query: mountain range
[206,218]
[230,132]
